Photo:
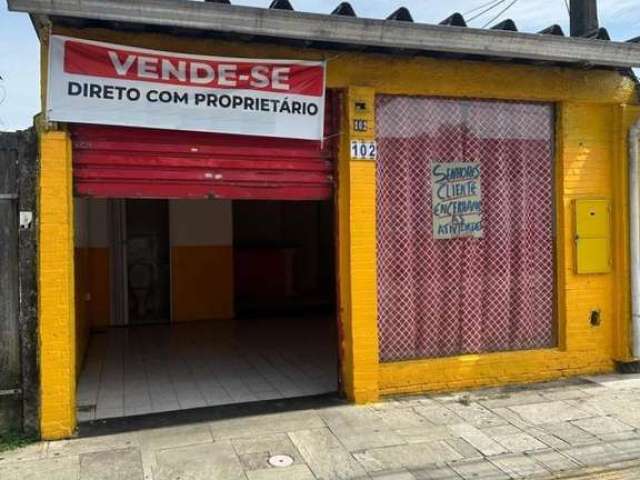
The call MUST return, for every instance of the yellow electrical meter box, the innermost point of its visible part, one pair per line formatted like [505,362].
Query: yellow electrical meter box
[592,236]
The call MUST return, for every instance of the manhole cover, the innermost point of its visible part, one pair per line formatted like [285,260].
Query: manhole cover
[281,461]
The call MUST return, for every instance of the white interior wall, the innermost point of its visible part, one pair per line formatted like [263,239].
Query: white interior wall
[98,223]
[201,222]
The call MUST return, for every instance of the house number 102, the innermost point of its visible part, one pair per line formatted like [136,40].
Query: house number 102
[364,150]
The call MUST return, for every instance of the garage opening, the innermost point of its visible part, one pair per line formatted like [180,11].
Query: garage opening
[205,274]
[203,303]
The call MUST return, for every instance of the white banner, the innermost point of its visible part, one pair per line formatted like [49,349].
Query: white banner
[108,84]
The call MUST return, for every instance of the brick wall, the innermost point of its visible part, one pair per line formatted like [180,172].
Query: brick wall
[56,287]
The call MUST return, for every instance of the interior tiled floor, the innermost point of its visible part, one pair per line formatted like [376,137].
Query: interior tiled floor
[161,368]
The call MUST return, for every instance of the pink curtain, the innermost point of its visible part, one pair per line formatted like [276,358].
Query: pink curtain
[440,298]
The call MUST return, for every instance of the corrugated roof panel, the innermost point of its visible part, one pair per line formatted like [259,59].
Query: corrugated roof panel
[281,5]
[401,15]
[344,9]
[455,20]
[553,30]
[599,34]
[339,31]
[507,25]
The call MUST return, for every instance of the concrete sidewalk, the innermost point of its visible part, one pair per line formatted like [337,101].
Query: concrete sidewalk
[551,430]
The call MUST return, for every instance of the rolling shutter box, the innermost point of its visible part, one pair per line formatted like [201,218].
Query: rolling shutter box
[123,162]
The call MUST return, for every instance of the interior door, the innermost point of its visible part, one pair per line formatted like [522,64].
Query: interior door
[147,265]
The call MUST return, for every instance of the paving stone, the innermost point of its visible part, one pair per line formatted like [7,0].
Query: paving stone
[511,417]
[464,448]
[564,393]
[424,434]
[294,472]
[513,399]
[618,473]
[444,398]
[436,473]
[602,425]
[207,461]
[62,468]
[595,455]
[569,433]
[395,475]
[519,466]
[477,415]
[368,462]
[112,465]
[520,442]
[479,440]
[422,437]
[630,381]
[612,402]
[169,437]
[357,418]
[403,418]
[79,446]
[439,415]
[273,443]
[628,446]
[541,413]
[417,401]
[548,439]
[414,456]
[30,452]
[255,460]
[629,416]
[388,403]
[325,456]
[479,470]
[592,406]
[249,427]
[501,430]
[358,440]
[554,461]
[618,436]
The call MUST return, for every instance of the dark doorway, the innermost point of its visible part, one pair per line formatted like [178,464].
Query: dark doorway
[148,255]
[284,258]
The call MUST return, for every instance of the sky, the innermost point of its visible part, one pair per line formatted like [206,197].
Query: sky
[19,60]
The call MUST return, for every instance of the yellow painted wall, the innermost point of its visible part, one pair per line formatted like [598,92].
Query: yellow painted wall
[589,162]
[56,288]
[593,110]
[356,206]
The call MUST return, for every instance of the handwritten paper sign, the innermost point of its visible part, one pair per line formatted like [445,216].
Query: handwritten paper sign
[457,200]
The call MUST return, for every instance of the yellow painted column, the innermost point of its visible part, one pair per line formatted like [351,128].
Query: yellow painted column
[357,230]
[56,288]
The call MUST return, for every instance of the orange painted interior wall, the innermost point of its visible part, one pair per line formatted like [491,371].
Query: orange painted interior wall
[83,326]
[92,296]
[98,277]
[202,282]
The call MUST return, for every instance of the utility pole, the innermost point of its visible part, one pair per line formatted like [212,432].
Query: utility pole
[584,17]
